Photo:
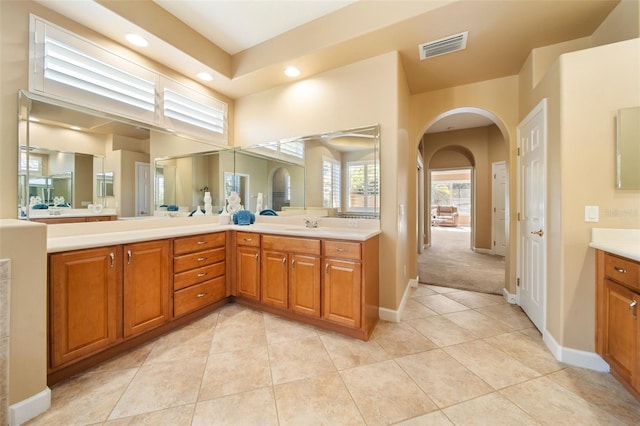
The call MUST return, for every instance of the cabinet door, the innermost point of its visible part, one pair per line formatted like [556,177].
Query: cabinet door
[621,330]
[146,286]
[248,272]
[342,292]
[273,284]
[84,296]
[304,285]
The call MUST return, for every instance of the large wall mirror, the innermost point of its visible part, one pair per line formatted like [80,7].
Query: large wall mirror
[628,148]
[73,157]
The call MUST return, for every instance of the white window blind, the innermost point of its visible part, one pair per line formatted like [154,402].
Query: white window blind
[294,149]
[187,110]
[71,67]
[363,184]
[331,197]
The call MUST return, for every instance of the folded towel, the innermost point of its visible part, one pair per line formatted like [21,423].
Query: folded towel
[172,208]
[244,217]
[268,212]
[40,207]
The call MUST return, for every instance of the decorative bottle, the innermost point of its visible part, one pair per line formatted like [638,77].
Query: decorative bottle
[207,204]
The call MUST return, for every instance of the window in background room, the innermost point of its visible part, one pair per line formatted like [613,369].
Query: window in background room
[330,183]
[363,186]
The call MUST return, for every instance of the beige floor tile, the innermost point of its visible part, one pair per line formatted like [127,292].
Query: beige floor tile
[256,407]
[184,343]
[209,321]
[602,390]
[298,359]
[131,359]
[385,394]
[346,352]
[439,289]
[548,402]
[280,329]
[441,304]
[242,316]
[471,299]
[85,399]
[234,337]
[498,298]
[512,315]
[435,418]
[177,416]
[491,364]
[492,409]
[160,386]
[322,399]
[413,309]
[421,290]
[234,372]
[532,352]
[478,324]
[441,331]
[399,339]
[442,378]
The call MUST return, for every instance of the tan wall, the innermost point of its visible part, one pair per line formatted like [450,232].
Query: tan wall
[337,100]
[623,23]
[25,244]
[440,153]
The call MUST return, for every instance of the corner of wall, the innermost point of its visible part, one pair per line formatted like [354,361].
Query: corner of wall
[392,315]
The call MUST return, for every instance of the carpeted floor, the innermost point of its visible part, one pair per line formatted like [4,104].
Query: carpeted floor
[450,262]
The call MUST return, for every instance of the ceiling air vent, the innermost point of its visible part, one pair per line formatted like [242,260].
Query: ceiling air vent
[443,45]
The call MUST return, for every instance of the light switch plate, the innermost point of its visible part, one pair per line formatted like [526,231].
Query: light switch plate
[591,214]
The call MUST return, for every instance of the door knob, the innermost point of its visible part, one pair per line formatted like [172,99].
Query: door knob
[539,233]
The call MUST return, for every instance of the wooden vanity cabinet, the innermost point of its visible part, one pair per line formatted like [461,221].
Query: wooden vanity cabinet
[617,323]
[199,272]
[248,265]
[290,274]
[85,302]
[147,286]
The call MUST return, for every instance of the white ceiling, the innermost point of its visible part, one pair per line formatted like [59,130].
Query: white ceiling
[246,44]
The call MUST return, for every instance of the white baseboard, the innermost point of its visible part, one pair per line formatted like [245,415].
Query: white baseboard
[27,409]
[510,297]
[396,315]
[483,250]
[574,357]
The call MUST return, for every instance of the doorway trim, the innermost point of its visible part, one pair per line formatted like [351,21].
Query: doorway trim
[495,167]
[143,195]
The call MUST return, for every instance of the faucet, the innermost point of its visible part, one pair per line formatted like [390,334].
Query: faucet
[311,223]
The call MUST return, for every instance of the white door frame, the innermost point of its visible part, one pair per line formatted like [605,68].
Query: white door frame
[494,231]
[139,191]
[523,231]
[420,204]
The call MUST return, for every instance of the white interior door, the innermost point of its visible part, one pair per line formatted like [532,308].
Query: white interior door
[499,212]
[532,253]
[143,189]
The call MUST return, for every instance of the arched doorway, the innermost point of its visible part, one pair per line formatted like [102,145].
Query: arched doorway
[465,140]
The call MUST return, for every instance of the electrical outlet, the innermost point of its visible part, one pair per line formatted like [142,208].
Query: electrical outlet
[353,223]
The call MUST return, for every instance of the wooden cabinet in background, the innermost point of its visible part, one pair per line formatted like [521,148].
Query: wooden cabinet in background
[85,300]
[147,286]
[199,272]
[54,220]
[248,265]
[617,323]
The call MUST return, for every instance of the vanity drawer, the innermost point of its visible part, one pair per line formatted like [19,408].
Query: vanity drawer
[197,296]
[291,245]
[196,243]
[194,276]
[198,259]
[247,239]
[624,271]
[342,250]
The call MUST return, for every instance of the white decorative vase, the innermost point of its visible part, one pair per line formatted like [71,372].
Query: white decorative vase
[207,204]
[198,211]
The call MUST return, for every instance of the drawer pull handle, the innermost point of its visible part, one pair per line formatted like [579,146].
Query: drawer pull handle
[203,294]
[129,257]
[293,264]
[621,270]
[202,274]
[248,239]
[256,257]
[284,260]
[202,242]
[632,310]
[326,268]
[202,259]
[112,257]
[340,250]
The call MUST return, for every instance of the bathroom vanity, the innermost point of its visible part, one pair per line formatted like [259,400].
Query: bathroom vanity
[115,285]
[617,299]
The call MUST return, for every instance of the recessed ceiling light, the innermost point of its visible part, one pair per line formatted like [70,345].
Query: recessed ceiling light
[75,128]
[292,72]
[205,76]
[137,40]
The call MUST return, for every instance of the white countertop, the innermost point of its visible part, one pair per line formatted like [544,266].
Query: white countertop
[623,242]
[65,237]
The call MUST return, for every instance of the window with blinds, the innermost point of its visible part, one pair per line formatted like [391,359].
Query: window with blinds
[331,197]
[185,109]
[363,186]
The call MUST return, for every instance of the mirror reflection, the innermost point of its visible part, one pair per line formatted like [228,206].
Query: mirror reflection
[628,148]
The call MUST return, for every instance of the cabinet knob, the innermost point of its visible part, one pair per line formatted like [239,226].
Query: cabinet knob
[284,260]
[202,274]
[293,264]
[340,249]
[112,257]
[202,259]
[248,239]
[256,257]
[203,294]
[632,309]
[128,257]
[621,270]
[201,243]
[326,268]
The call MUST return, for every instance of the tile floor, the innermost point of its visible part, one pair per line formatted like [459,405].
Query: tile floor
[457,357]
